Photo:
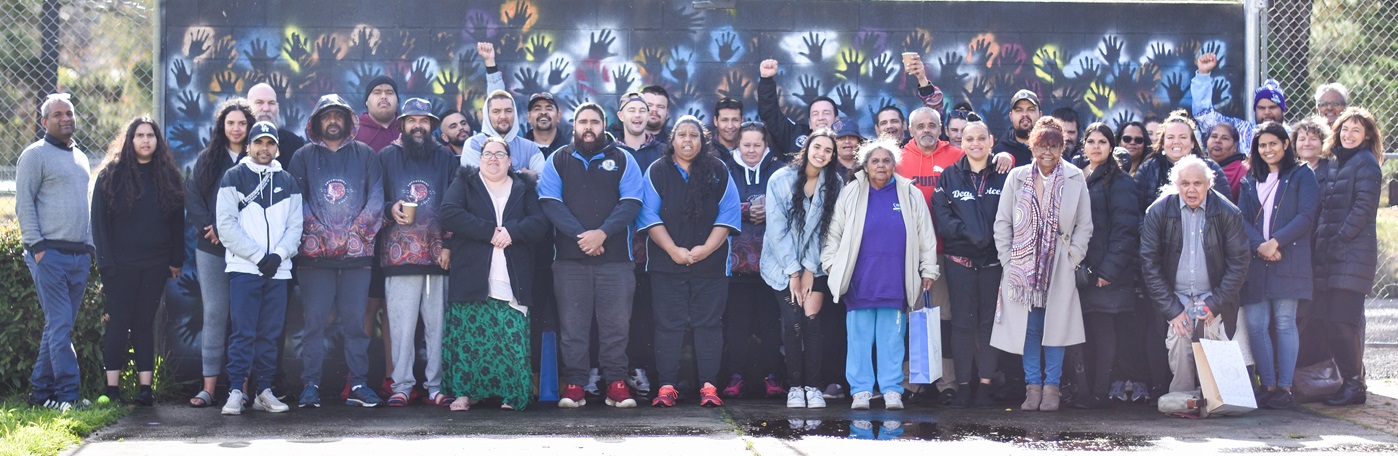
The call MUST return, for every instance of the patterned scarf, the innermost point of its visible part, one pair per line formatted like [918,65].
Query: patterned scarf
[1035,242]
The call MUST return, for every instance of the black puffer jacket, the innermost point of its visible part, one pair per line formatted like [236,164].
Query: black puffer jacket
[1115,243]
[1227,256]
[1155,172]
[1346,242]
[963,213]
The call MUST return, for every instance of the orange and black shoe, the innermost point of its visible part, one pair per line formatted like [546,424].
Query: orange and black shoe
[666,397]
[708,396]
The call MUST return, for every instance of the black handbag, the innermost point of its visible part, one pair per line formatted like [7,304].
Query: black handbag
[1317,381]
[1083,275]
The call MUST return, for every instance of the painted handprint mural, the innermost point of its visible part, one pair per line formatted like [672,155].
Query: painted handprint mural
[1108,61]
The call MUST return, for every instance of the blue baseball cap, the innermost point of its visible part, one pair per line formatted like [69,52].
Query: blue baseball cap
[264,128]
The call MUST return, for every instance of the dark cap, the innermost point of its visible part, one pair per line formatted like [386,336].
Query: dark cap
[264,128]
[378,81]
[844,126]
[1025,94]
[417,107]
[541,96]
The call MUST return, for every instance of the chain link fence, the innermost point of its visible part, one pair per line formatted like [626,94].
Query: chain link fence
[97,50]
[1309,43]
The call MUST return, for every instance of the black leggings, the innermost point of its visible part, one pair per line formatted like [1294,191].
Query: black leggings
[973,295]
[1109,339]
[802,339]
[133,295]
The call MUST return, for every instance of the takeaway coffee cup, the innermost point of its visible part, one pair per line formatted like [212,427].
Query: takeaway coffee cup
[908,58]
[410,210]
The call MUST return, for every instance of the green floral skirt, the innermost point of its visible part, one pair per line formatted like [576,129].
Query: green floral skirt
[485,352]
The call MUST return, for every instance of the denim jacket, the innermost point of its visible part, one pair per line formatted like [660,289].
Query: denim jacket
[785,251]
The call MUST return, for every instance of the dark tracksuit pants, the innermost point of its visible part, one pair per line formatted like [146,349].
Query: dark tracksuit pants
[683,301]
[601,291]
[257,310]
[974,292]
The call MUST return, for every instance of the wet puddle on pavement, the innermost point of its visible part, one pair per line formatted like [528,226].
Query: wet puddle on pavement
[794,429]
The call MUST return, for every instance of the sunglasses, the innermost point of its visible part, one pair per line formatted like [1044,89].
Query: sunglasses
[753,123]
[1133,139]
[728,103]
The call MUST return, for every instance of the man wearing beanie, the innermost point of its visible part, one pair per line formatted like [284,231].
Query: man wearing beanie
[1268,104]
[378,126]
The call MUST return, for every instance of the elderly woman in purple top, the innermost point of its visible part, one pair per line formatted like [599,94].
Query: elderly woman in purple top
[881,224]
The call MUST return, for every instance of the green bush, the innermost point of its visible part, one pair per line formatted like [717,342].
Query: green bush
[23,322]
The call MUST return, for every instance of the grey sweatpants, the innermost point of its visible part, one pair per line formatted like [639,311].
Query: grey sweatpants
[603,292]
[408,297]
[213,290]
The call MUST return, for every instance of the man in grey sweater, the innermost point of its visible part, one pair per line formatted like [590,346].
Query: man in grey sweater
[51,203]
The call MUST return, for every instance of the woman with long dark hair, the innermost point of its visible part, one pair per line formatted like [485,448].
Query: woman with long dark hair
[689,210]
[1108,297]
[801,198]
[228,145]
[138,230]
[1042,228]
[1279,200]
[1346,242]
[1132,136]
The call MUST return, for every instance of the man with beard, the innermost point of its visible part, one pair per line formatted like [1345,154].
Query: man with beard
[728,120]
[591,192]
[1024,111]
[342,182]
[498,118]
[454,131]
[546,127]
[1069,118]
[266,109]
[414,260]
[657,115]
[378,126]
[632,112]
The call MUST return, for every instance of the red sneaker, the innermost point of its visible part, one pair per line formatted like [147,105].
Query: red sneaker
[666,397]
[619,396]
[773,386]
[344,394]
[735,386]
[572,397]
[708,396]
[386,388]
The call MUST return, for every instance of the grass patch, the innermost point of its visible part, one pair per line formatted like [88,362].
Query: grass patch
[39,431]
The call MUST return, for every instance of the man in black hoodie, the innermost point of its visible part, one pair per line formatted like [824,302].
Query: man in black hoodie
[591,192]
[342,182]
[416,172]
[1024,111]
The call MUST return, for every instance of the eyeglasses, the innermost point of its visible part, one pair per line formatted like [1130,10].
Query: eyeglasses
[499,154]
[753,123]
[1133,139]
[1330,104]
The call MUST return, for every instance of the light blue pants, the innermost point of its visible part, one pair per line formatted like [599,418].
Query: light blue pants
[870,329]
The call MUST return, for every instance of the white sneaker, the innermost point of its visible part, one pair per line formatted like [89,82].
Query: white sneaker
[267,401]
[814,397]
[638,381]
[861,401]
[234,406]
[893,400]
[796,398]
[593,377]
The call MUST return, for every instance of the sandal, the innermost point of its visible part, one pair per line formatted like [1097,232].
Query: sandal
[438,399]
[461,404]
[201,400]
[398,400]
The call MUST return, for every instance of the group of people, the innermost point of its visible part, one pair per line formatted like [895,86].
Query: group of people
[781,247]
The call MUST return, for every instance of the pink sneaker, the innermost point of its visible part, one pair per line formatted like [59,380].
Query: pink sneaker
[735,386]
[774,387]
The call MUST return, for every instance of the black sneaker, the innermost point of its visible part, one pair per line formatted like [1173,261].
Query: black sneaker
[1263,396]
[37,401]
[963,397]
[984,399]
[947,396]
[1281,400]
[145,399]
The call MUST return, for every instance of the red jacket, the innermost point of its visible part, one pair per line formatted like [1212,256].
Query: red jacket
[924,169]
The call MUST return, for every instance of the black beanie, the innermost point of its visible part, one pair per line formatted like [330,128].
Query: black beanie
[377,81]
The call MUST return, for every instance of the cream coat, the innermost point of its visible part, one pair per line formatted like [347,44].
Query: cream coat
[842,240]
[1063,324]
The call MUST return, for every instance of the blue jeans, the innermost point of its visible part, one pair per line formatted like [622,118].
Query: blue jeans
[258,312]
[60,279]
[1052,358]
[1276,365]
[869,330]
